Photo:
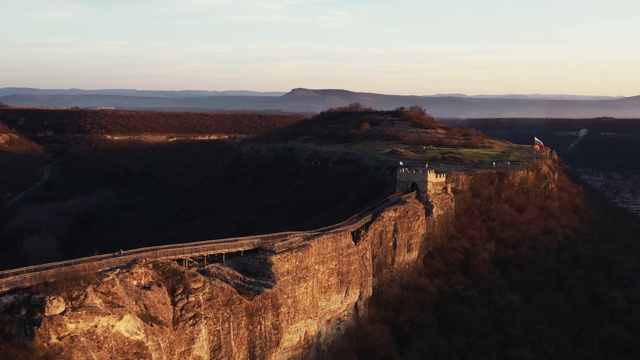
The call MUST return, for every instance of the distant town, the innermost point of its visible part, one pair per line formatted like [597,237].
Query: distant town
[623,189]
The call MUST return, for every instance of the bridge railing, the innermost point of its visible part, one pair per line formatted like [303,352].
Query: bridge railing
[138,251]
[68,270]
[277,242]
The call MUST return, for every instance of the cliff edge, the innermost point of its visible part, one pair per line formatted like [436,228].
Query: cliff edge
[490,258]
[294,304]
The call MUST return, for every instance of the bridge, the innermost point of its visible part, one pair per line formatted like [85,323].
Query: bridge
[32,275]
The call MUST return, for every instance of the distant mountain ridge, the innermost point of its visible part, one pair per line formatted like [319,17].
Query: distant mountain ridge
[310,100]
[535,96]
[133,92]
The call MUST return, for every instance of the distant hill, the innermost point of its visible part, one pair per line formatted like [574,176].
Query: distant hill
[133,92]
[536,96]
[309,100]
[396,129]
[467,107]
[209,103]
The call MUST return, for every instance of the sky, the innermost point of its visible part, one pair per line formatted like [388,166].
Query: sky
[404,47]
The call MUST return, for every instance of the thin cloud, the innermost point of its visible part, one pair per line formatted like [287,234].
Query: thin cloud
[29,11]
[337,16]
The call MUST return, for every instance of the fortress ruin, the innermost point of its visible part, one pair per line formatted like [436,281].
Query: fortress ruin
[422,180]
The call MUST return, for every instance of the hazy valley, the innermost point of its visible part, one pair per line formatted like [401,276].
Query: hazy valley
[313,101]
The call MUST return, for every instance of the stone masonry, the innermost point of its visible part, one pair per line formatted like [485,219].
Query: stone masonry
[421,180]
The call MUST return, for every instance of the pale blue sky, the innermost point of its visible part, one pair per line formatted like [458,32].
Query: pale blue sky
[414,47]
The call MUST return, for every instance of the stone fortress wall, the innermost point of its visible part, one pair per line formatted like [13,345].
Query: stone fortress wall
[422,180]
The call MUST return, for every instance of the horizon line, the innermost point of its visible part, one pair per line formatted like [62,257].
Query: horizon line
[454,94]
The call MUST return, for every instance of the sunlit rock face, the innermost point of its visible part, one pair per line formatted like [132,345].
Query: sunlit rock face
[293,304]
[298,304]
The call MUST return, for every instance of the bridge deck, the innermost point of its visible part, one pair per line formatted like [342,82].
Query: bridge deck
[32,275]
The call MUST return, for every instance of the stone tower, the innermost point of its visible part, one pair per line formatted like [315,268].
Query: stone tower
[421,180]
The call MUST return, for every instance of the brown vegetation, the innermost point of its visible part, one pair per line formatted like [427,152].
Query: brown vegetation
[397,151]
[526,270]
[98,122]
[356,124]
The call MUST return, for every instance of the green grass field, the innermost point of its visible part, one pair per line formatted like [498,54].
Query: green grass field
[512,153]
[519,154]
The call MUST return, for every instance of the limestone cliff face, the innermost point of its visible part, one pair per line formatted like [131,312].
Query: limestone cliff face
[391,244]
[294,304]
[543,175]
[273,306]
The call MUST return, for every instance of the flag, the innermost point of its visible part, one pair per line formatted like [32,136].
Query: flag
[537,143]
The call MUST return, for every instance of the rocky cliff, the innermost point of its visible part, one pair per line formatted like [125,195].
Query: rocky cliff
[293,304]
[301,303]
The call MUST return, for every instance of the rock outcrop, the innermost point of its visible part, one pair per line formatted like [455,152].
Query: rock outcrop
[54,305]
[293,304]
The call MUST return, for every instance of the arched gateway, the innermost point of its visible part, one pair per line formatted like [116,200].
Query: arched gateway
[418,179]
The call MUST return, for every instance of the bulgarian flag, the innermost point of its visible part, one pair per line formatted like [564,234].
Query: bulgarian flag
[537,143]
